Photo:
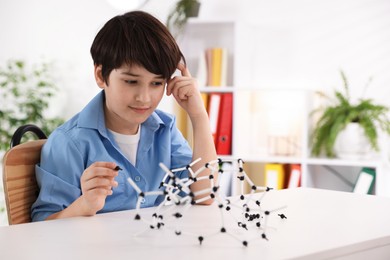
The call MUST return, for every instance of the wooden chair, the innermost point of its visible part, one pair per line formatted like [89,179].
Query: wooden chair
[20,185]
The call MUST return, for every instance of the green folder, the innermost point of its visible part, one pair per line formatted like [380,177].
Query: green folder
[365,181]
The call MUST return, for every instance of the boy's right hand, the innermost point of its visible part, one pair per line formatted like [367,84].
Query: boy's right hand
[97,182]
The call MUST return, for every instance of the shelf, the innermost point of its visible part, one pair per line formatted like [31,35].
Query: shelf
[271,159]
[340,162]
[228,89]
[268,119]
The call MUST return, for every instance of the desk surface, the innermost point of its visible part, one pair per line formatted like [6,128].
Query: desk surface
[320,224]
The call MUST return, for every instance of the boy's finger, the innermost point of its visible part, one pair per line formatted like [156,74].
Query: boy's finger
[169,88]
[100,170]
[183,69]
[110,165]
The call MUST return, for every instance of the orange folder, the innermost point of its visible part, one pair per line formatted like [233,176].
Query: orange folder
[295,176]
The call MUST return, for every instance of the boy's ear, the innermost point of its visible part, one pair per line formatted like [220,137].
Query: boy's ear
[99,76]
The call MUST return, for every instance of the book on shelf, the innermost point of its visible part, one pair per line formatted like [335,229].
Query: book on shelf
[216,66]
[275,176]
[201,73]
[282,176]
[294,178]
[209,66]
[224,67]
[365,181]
[205,98]
[216,62]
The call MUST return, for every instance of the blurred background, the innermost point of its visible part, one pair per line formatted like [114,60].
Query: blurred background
[313,41]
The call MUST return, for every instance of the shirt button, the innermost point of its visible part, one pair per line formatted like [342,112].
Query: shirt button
[143,200]
[137,178]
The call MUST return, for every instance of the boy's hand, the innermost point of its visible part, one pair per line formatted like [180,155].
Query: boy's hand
[184,89]
[97,182]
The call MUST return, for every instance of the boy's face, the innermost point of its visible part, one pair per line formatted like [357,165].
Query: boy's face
[132,94]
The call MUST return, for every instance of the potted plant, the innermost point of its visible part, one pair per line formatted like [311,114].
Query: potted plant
[25,95]
[179,15]
[342,114]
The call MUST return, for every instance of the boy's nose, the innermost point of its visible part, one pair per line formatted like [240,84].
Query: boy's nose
[143,95]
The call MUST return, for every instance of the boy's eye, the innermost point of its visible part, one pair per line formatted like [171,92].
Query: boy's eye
[134,82]
[131,81]
[157,83]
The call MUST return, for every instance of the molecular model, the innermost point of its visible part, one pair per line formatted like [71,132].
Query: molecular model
[246,210]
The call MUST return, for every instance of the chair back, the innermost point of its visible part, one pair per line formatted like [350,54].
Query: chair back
[20,185]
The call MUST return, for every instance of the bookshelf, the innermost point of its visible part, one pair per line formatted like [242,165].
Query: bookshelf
[270,124]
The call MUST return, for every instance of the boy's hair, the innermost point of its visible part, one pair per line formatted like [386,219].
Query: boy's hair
[136,38]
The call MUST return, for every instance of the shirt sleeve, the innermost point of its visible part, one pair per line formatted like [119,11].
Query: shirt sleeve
[58,176]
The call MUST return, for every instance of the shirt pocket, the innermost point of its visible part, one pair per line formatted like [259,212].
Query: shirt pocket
[121,197]
[122,181]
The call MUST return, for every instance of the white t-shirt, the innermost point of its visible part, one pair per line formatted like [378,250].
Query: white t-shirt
[128,144]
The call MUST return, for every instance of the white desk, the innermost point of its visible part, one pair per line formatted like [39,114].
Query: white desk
[320,224]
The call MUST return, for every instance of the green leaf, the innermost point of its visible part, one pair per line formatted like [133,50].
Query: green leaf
[336,117]
[28,91]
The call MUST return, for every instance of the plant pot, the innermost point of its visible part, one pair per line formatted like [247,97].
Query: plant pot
[194,10]
[351,143]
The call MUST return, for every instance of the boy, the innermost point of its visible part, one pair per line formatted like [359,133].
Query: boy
[134,58]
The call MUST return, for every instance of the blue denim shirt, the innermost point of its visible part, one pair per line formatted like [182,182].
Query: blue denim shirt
[84,139]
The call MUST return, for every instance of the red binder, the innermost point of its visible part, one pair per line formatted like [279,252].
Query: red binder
[214,114]
[224,140]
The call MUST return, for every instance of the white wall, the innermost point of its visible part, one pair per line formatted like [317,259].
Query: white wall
[59,31]
[318,39]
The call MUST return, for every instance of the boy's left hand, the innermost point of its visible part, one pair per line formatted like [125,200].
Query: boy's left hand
[184,89]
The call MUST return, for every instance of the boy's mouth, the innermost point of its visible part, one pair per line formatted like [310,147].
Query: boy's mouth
[140,110]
